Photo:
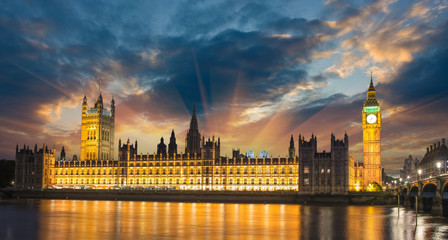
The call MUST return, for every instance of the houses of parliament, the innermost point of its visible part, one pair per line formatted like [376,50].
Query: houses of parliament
[200,166]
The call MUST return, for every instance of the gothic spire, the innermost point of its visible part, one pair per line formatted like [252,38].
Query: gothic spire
[371,87]
[194,120]
[371,94]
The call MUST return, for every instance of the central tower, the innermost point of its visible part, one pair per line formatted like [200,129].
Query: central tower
[97,131]
[193,141]
[371,135]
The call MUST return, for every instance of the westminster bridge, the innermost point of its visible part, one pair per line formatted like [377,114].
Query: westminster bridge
[429,194]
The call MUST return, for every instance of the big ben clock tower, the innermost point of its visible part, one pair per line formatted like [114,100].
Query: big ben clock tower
[371,135]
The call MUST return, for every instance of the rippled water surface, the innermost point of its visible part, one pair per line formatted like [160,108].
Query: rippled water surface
[71,219]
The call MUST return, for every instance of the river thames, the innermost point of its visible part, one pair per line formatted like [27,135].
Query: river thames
[76,219]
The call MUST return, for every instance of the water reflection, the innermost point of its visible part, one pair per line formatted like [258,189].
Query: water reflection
[69,219]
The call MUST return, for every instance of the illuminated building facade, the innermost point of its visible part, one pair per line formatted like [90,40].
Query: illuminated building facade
[323,172]
[371,126]
[435,161]
[356,175]
[97,131]
[201,167]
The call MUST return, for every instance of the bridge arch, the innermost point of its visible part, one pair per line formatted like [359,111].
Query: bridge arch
[444,194]
[412,194]
[428,194]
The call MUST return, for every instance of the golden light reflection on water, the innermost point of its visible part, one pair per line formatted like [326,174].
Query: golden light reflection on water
[68,219]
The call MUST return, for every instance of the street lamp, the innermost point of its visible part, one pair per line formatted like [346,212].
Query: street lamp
[439,164]
[419,173]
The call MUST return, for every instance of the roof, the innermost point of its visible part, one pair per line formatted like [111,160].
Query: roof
[437,154]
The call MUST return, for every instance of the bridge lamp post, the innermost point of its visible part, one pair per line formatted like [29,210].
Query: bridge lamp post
[439,165]
[401,180]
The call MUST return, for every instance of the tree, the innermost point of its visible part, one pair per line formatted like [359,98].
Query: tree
[7,169]
[374,187]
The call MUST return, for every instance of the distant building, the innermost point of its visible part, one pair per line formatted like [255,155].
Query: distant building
[414,170]
[407,168]
[250,153]
[435,154]
[264,154]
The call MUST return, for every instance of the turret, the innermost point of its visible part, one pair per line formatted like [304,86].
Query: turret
[172,146]
[161,148]
[62,153]
[291,150]
[112,107]
[99,104]
[193,140]
[84,105]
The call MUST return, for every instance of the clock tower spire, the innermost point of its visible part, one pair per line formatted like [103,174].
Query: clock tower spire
[371,126]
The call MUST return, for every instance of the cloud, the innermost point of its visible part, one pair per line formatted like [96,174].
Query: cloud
[257,71]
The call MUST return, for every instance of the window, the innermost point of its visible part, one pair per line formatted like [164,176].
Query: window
[306,170]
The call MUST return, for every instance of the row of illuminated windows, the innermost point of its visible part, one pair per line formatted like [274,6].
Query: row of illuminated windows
[231,181]
[235,170]
[176,171]
[87,181]
[86,172]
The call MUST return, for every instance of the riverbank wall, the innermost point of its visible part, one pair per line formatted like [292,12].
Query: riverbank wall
[212,196]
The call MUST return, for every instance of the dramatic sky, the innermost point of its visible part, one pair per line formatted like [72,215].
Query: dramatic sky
[258,71]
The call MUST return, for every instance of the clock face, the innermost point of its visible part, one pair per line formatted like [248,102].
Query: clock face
[371,118]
